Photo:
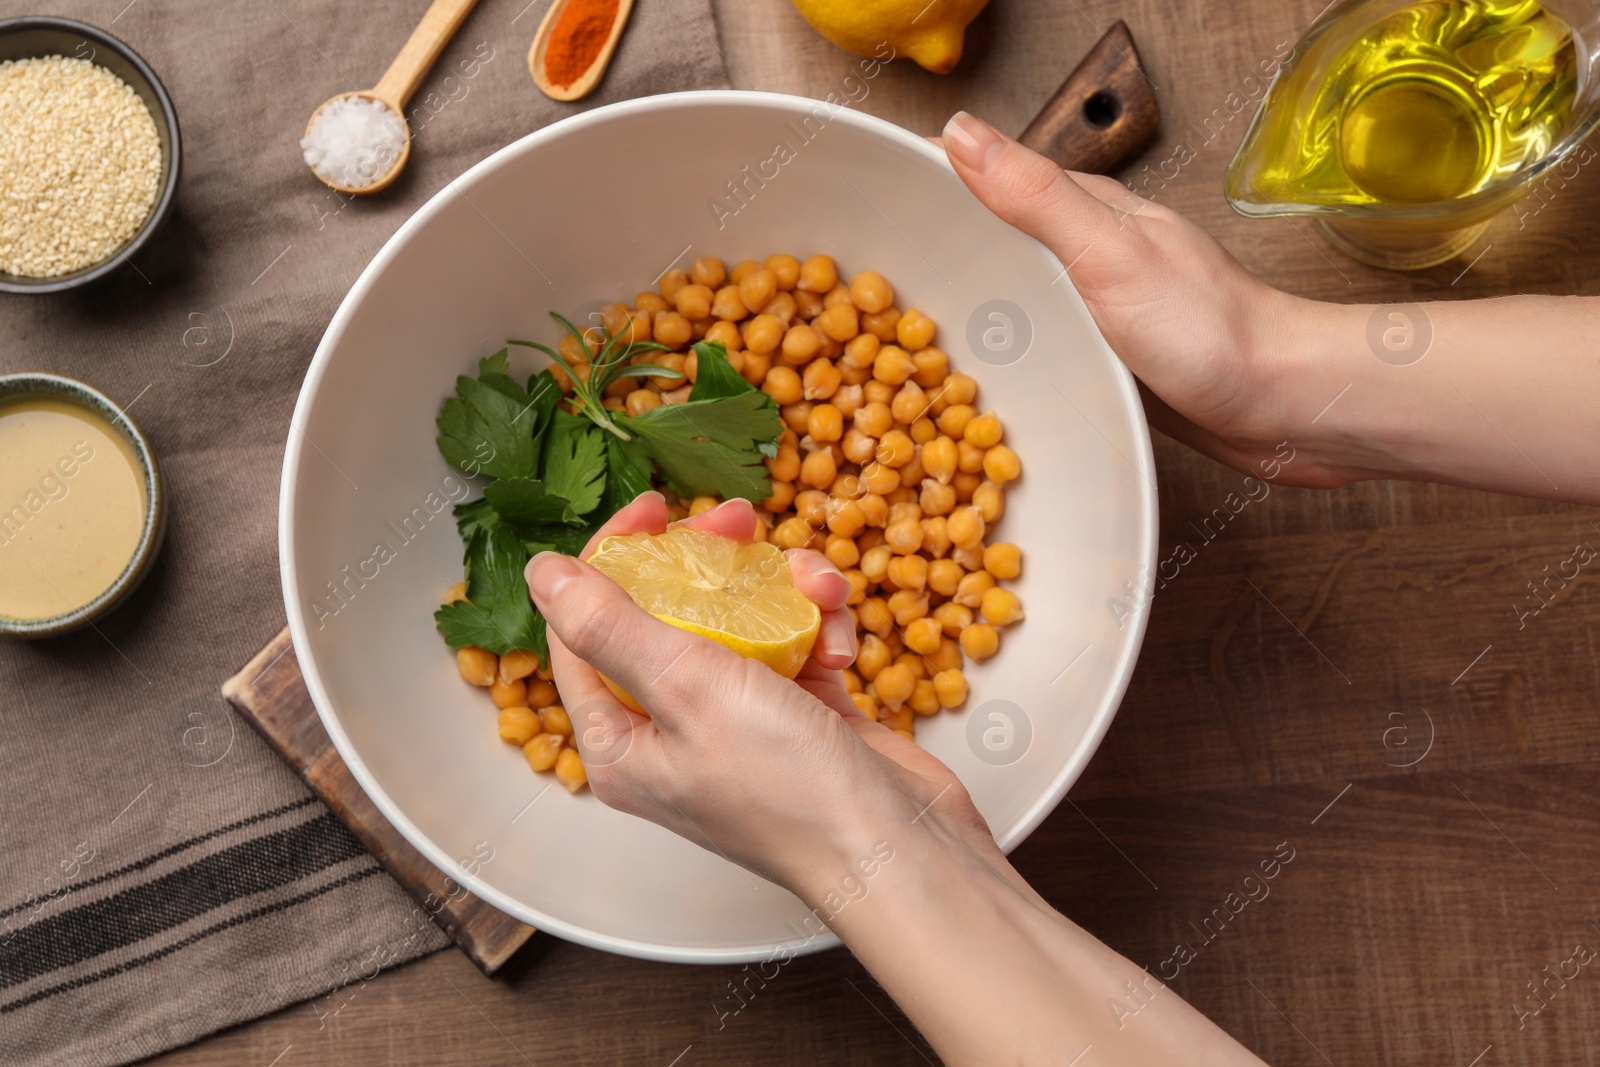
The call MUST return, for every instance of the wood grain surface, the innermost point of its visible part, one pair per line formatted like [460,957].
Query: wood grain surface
[1305,656]
[270,694]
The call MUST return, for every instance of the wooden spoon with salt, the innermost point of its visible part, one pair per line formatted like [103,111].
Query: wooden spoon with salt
[394,89]
[584,35]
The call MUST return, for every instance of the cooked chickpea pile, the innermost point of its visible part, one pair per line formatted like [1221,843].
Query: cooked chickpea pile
[885,466]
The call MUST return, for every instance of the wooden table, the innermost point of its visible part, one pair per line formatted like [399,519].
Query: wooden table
[1289,675]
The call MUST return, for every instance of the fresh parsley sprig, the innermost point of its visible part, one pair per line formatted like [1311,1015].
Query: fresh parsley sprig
[558,474]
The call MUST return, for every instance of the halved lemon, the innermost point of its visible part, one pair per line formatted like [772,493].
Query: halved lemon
[741,595]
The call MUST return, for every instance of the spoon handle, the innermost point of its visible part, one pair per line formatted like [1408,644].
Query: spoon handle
[444,17]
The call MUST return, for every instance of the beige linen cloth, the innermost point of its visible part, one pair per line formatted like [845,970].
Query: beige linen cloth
[162,875]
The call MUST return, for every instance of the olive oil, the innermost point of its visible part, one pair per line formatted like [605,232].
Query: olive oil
[1422,103]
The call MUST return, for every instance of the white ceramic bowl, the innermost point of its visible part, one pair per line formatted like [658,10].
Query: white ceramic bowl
[598,206]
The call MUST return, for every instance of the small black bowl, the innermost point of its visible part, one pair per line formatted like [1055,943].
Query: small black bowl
[32,37]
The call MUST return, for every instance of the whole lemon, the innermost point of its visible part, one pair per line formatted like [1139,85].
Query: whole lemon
[929,32]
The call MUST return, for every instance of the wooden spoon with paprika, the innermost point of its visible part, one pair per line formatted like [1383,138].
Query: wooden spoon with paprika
[574,45]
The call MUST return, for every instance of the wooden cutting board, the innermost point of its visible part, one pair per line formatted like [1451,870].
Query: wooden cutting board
[271,695]
[1104,111]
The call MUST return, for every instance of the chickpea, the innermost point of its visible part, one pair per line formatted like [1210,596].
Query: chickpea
[727,334]
[902,495]
[915,662]
[792,533]
[965,485]
[980,641]
[726,305]
[939,458]
[570,771]
[876,392]
[966,527]
[782,496]
[969,556]
[516,664]
[640,401]
[923,635]
[848,399]
[541,693]
[861,351]
[969,457]
[785,268]
[1001,465]
[904,536]
[543,750]
[672,329]
[508,694]
[879,479]
[858,584]
[872,657]
[648,303]
[947,657]
[810,505]
[901,722]
[933,366]
[517,725]
[478,666]
[903,511]
[455,592]
[944,576]
[673,280]
[990,500]
[840,550]
[953,421]
[914,331]
[961,388]
[876,509]
[839,294]
[984,431]
[800,344]
[785,466]
[818,469]
[783,385]
[951,688]
[742,270]
[1000,607]
[869,291]
[1003,560]
[846,519]
[708,271]
[852,680]
[893,685]
[757,287]
[840,322]
[873,419]
[807,305]
[909,403]
[781,307]
[969,594]
[953,617]
[935,498]
[895,449]
[866,705]
[875,562]
[755,367]
[907,605]
[762,334]
[909,572]
[857,446]
[820,380]
[892,366]
[818,274]
[698,328]
[553,718]
[692,301]
[574,351]
[825,424]
[935,537]
[881,324]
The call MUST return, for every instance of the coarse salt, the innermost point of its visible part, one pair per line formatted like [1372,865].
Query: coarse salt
[353,141]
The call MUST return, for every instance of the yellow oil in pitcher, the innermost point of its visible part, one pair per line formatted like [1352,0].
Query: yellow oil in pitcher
[1430,102]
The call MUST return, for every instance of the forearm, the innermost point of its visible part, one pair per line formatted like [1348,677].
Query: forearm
[1506,396]
[991,974]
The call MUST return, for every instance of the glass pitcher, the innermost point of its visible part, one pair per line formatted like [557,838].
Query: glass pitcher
[1403,126]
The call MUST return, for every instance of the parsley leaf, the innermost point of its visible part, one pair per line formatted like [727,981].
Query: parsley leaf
[712,447]
[492,425]
[627,475]
[526,502]
[575,462]
[497,613]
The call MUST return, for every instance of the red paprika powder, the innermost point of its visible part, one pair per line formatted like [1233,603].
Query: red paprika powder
[577,38]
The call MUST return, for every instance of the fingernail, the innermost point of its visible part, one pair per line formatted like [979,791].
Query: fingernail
[839,641]
[648,493]
[548,572]
[972,141]
[733,502]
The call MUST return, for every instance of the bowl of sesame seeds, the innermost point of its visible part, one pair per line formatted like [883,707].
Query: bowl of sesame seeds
[89,154]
